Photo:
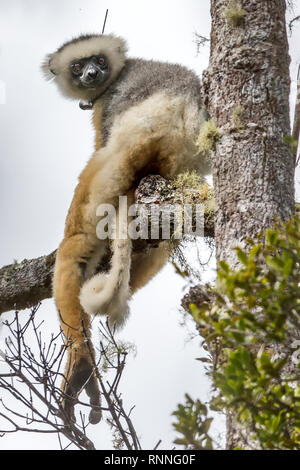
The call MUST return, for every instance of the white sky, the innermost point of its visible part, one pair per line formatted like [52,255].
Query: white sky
[45,142]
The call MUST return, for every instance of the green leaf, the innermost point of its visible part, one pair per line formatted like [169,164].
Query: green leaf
[254,252]
[224,266]
[271,236]
[288,266]
[206,424]
[242,256]
[274,263]
[203,359]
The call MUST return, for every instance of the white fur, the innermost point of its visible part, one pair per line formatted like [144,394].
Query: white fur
[110,45]
[108,294]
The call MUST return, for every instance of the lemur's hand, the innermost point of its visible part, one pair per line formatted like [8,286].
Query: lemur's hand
[83,378]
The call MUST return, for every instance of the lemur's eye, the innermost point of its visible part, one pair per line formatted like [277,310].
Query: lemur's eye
[101,61]
[76,67]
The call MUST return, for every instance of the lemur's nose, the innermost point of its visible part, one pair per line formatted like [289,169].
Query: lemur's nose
[92,73]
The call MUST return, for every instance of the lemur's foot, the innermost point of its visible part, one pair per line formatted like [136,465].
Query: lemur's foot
[82,377]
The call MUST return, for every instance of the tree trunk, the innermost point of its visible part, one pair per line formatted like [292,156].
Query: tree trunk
[247,88]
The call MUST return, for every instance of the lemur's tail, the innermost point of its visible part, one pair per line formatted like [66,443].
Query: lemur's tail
[108,294]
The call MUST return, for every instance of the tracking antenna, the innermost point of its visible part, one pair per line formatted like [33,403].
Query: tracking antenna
[104,21]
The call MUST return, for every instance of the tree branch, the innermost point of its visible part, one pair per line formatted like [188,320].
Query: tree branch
[24,284]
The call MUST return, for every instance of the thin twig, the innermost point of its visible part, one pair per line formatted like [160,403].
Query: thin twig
[291,23]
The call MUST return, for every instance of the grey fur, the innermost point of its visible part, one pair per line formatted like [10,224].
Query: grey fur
[139,80]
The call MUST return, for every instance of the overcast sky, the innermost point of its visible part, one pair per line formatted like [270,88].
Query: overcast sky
[45,142]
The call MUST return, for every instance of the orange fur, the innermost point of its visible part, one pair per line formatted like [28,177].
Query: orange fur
[97,125]
[144,266]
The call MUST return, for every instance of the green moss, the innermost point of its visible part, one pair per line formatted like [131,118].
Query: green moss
[190,179]
[292,143]
[236,118]
[234,14]
[208,135]
[191,188]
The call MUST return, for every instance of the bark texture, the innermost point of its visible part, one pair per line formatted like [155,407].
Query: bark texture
[23,285]
[247,88]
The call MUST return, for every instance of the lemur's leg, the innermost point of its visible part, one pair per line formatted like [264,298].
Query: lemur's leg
[75,323]
[145,266]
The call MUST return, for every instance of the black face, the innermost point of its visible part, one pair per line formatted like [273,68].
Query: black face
[90,72]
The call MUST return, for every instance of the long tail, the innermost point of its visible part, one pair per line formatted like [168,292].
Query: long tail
[108,294]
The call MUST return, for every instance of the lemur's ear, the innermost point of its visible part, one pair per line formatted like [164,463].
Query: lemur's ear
[47,67]
[122,47]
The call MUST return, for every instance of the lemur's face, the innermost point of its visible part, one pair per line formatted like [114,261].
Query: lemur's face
[84,67]
[91,72]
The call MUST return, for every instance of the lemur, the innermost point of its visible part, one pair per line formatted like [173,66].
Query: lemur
[147,116]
